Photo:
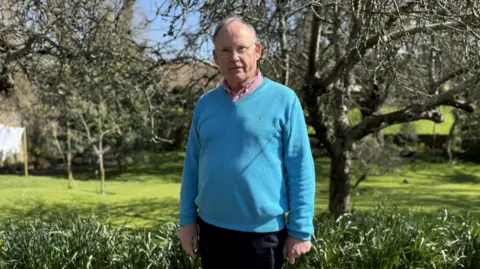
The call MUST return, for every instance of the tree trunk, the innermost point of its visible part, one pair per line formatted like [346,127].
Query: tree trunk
[120,164]
[340,183]
[102,174]
[120,154]
[451,136]
[341,157]
[69,159]
[379,138]
[124,162]
[282,32]
[371,106]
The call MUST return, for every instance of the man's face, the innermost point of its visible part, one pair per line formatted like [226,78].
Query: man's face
[236,53]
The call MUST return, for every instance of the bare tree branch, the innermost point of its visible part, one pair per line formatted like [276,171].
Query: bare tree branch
[452,75]
[87,129]
[318,119]
[416,111]
[184,59]
[347,62]
[406,7]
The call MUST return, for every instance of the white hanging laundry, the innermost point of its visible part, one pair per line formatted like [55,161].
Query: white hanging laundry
[16,143]
[2,137]
[5,142]
[3,153]
[10,140]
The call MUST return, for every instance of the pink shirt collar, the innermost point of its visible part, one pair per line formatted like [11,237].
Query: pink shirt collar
[248,87]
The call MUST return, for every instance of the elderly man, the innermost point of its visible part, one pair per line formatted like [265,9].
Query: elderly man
[248,182]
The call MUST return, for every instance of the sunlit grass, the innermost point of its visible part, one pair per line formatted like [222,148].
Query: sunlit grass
[141,203]
[431,187]
[149,193]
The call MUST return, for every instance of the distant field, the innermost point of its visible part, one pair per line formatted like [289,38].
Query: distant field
[149,193]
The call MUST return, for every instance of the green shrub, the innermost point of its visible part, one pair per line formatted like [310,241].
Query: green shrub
[84,243]
[381,239]
[389,239]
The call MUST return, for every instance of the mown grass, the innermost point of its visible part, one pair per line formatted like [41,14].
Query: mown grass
[149,193]
[144,196]
[431,187]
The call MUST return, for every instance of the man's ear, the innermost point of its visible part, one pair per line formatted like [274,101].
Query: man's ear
[258,50]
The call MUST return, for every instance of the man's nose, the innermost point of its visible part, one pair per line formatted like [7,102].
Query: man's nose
[234,56]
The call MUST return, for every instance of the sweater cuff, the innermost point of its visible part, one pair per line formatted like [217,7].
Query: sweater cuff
[300,235]
[186,220]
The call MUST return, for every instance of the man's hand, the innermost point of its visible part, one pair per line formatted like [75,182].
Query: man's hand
[188,237]
[295,247]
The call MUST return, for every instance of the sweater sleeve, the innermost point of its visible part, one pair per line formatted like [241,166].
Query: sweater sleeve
[189,187]
[300,171]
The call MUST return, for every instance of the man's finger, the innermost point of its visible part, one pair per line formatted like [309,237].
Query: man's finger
[195,244]
[183,244]
[291,257]
[296,252]
[190,251]
[285,251]
[191,247]
[187,247]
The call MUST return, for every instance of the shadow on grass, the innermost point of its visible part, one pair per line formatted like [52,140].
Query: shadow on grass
[140,213]
[453,203]
[462,177]
[459,177]
[164,166]
[427,199]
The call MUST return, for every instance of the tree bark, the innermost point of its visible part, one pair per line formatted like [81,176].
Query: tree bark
[100,153]
[102,174]
[341,159]
[377,135]
[312,90]
[339,202]
[120,164]
[451,136]
[69,158]
[282,32]
[120,154]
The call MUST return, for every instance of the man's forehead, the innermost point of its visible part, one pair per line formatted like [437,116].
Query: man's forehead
[234,32]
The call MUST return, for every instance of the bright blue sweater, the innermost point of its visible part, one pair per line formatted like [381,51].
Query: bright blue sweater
[249,162]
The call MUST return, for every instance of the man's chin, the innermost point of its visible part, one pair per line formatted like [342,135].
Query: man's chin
[238,79]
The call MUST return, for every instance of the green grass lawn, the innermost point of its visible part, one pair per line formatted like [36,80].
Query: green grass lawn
[149,193]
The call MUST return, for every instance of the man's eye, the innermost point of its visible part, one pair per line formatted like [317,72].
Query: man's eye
[241,49]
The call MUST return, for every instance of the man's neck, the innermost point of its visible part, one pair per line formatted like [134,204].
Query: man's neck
[237,86]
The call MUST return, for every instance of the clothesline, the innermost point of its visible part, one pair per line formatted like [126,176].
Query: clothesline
[10,140]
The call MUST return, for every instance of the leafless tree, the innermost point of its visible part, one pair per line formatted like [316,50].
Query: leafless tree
[354,54]
[86,61]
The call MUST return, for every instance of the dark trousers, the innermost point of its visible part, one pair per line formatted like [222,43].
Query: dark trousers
[226,249]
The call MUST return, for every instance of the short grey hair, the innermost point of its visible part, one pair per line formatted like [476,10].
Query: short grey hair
[232,19]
